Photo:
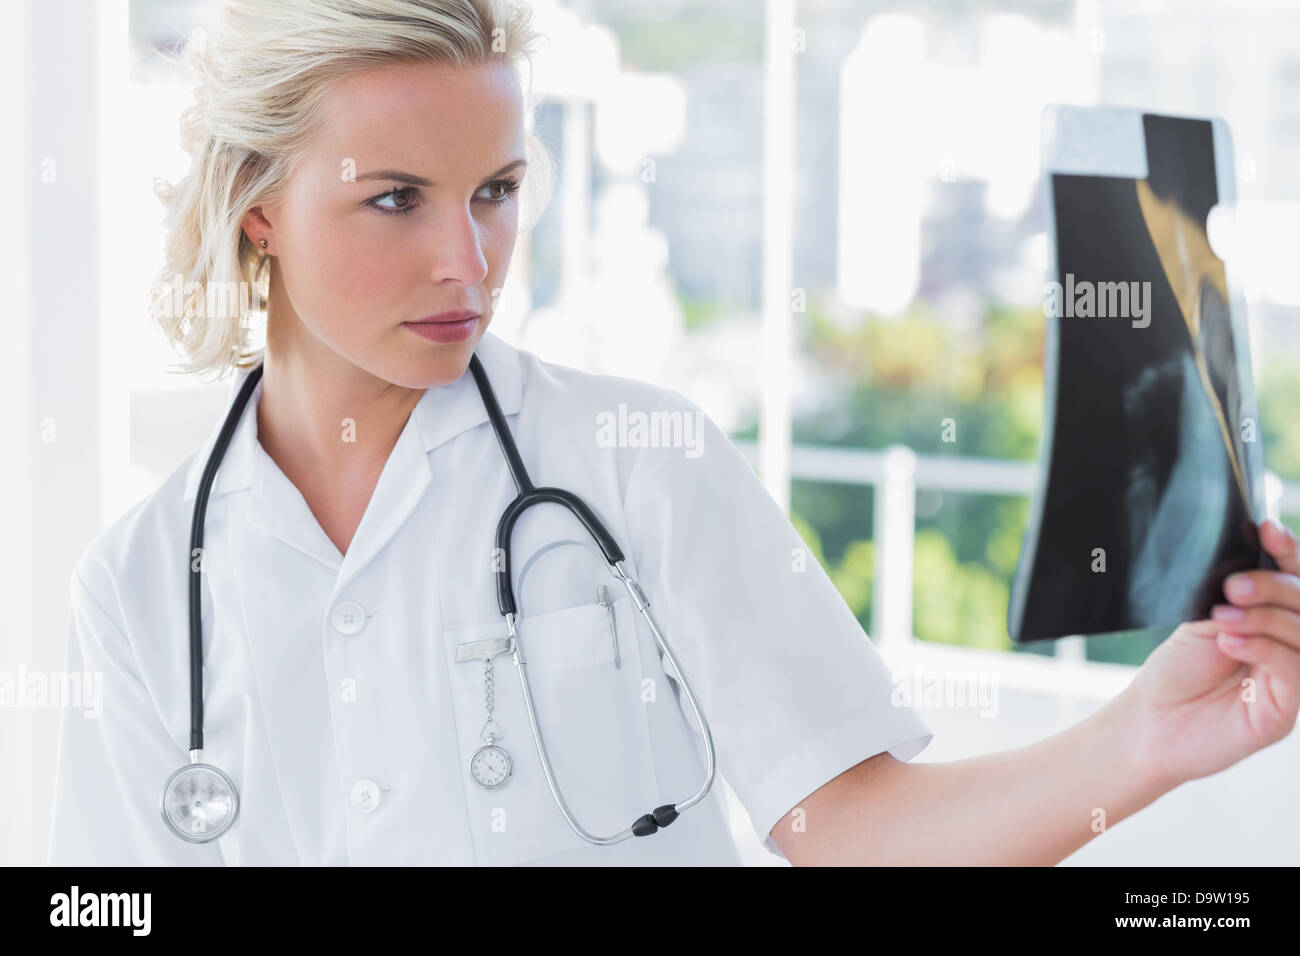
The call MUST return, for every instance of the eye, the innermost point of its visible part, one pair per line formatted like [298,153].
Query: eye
[507,187]
[395,202]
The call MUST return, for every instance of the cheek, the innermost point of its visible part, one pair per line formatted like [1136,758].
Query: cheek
[355,256]
[330,264]
[338,267]
[498,241]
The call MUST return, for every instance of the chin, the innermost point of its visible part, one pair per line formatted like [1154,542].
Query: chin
[414,364]
[444,368]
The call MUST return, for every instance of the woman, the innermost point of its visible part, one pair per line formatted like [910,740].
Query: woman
[366,160]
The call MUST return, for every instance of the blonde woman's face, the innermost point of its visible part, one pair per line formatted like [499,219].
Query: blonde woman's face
[404,207]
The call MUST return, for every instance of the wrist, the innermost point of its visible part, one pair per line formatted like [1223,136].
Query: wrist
[1126,726]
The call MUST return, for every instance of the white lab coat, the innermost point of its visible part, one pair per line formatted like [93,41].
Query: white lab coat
[333,695]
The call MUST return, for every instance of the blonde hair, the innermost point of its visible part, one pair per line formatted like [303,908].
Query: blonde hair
[262,74]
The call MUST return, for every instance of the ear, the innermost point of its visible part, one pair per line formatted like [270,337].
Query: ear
[257,227]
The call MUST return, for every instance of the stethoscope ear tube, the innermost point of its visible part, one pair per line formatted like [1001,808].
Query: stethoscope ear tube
[661,816]
[649,823]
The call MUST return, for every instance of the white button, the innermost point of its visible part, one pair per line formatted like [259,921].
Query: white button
[348,618]
[365,795]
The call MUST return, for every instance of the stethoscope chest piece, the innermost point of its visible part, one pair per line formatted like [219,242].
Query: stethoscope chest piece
[199,802]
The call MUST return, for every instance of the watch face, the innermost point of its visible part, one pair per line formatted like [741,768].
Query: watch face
[490,767]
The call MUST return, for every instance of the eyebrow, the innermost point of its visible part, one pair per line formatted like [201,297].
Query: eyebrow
[413,180]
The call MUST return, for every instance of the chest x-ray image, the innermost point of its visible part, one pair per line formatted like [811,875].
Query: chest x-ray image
[1150,474]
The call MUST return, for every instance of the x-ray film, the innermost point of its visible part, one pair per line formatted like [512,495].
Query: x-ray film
[1150,480]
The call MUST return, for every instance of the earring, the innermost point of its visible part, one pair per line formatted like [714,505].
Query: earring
[262,243]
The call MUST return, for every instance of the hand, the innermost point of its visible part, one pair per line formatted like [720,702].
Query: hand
[1202,702]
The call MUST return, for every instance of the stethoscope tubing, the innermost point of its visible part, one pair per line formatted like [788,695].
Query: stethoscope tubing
[528,496]
[196,556]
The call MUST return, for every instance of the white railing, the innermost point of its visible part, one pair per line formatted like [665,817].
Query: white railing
[895,474]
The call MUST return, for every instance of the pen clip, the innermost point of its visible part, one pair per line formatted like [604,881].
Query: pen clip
[602,598]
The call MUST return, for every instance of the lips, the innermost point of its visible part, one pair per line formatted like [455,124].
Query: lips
[459,315]
[448,331]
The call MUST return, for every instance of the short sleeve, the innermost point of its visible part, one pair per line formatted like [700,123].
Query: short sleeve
[112,765]
[794,691]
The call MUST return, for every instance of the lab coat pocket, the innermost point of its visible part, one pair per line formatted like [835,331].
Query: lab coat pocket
[593,724]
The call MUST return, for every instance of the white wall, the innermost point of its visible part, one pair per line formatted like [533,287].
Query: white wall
[50,459]
[1244,816]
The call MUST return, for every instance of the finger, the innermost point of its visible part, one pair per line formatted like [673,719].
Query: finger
[1207,628]
[1280,542]
[1279,661]
[1251,588]
[1268,620]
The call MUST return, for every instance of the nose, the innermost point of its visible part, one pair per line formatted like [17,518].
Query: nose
[455,251]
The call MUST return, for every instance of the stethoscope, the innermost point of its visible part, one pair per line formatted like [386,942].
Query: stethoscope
[200,801]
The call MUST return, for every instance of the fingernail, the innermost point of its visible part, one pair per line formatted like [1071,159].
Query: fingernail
[1239,586]
[1233,640]
[1225,612]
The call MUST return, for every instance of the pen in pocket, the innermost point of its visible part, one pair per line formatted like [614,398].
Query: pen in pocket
[603,594]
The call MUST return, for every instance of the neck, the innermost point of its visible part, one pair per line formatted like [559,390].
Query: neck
[319,414]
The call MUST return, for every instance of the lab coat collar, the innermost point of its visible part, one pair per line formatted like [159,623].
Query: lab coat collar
[441,414]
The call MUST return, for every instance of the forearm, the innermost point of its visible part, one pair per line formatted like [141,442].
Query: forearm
[1033,805]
